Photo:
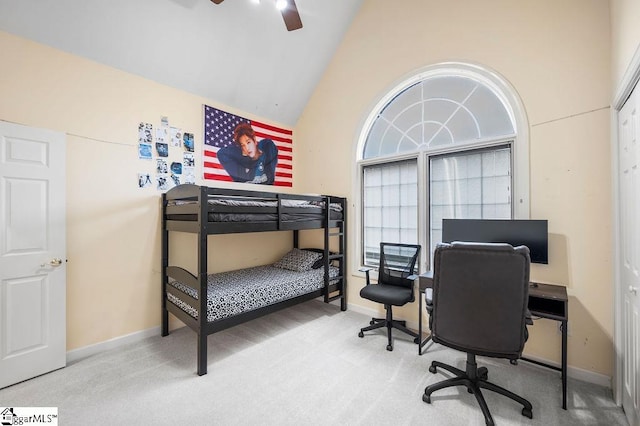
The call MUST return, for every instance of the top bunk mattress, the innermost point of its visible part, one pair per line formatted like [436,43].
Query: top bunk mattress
[257,202]
[244,209]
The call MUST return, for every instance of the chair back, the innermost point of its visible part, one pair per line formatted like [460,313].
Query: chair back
[480,298]
[397,263]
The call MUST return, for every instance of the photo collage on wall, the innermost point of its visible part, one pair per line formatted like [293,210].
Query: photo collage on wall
[172,152]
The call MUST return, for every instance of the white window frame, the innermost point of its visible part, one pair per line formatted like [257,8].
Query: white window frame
[519,143]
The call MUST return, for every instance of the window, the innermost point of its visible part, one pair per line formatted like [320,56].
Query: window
[390,206]
[443,144]
[469,185]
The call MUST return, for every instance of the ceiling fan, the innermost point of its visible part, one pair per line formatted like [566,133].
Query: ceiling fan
[289,13]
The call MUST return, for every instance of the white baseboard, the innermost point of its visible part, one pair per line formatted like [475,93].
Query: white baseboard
[573,372]
[366,311]
[578,373]
[87,351]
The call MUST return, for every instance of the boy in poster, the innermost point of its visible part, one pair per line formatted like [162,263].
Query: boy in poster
[248,160]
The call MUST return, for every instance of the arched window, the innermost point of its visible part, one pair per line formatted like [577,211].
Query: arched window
[449,142]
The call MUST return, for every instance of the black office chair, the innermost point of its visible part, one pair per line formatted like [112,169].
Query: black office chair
[480,297]
[394,288]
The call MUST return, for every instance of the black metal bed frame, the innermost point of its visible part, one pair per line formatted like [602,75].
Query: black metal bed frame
[193,218]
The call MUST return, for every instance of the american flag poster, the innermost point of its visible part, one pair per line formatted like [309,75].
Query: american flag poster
[237,149]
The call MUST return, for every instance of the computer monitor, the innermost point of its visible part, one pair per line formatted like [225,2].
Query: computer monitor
[530,233]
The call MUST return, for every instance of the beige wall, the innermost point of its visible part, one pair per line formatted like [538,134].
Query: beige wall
[556,56]
[625,36]
[113,238]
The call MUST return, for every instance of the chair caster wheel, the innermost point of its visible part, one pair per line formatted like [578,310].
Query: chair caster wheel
[372,322]
[416,340]
[361,334]
[527,413]
[389,348]
[433,369]
[426,398]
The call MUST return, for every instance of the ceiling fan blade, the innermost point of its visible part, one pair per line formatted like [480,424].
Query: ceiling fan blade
[217,1]
[291,17]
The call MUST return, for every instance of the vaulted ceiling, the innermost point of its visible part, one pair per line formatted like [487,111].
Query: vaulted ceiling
[238,53]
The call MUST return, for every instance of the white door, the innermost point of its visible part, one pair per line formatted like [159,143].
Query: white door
[629,184]
[32,252]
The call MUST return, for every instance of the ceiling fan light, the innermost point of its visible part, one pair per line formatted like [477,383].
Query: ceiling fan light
[281,4]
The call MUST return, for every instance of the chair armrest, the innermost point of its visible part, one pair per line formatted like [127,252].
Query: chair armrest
[528,319]
[366,270]
[428,299]
[413,278]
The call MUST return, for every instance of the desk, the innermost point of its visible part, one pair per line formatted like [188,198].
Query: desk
[545,301]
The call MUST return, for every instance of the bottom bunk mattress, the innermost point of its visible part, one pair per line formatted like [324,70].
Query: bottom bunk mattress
[235,292]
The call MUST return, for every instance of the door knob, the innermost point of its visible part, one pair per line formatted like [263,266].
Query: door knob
[53,262]
[633,289]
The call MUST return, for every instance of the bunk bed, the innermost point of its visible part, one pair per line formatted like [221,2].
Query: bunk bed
[235,297]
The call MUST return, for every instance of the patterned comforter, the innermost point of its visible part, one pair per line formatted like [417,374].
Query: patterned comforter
[234,292]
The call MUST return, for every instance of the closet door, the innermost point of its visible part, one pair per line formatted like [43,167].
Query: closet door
[629,185]
[32,252]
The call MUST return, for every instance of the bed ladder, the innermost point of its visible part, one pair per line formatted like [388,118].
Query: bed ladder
[337,231]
